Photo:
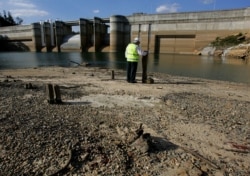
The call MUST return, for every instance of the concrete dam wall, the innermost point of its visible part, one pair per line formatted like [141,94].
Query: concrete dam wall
[160,33]
[188,32]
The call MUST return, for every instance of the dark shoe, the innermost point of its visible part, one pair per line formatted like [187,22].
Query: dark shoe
[133,81]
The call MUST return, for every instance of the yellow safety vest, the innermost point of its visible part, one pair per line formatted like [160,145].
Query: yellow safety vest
[131,53]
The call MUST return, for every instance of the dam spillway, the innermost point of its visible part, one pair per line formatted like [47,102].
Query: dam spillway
[184,32]
[71,42]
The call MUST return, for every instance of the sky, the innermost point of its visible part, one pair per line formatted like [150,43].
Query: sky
[32,11]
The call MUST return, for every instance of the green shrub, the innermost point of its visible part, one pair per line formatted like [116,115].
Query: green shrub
[228,41]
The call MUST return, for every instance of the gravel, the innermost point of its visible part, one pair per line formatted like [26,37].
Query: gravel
[183,133]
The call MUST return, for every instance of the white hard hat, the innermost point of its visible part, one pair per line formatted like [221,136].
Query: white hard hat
[136,39]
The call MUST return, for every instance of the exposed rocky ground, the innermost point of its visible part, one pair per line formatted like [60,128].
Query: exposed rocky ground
[232,46]
[176,126]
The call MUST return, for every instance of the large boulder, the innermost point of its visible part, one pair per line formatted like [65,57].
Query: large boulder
[240,51]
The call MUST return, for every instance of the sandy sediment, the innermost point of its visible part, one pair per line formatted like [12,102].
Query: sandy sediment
[176,126]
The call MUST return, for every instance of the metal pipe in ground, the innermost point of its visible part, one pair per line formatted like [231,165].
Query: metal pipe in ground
[144,68]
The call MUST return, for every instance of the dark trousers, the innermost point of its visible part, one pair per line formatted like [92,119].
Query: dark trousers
[131,71]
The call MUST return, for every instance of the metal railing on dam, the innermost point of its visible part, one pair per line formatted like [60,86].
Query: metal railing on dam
[184,32]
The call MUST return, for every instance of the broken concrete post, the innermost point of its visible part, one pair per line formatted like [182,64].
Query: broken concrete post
[50,93]
[112,74]
[57,93]
[29,86]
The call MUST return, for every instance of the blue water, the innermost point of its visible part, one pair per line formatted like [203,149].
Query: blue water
[235,70]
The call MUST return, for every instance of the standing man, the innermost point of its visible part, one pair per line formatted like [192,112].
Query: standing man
[133,53]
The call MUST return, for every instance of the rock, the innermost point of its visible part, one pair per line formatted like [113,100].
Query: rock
[240,51]
[218,53]
[237,53]
[142,143]
[208,51]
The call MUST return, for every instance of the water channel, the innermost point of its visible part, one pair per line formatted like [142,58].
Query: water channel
[235,70]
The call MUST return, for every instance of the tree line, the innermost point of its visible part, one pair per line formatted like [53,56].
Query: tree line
[6,19]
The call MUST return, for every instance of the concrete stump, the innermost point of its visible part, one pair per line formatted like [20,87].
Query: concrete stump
[50,93]
[57,94]
[112,74]
[29,86]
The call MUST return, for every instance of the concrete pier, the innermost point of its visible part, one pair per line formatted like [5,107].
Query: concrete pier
[119,33]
